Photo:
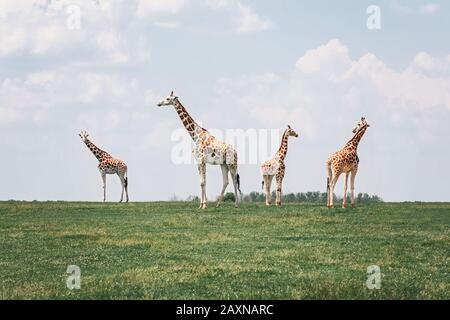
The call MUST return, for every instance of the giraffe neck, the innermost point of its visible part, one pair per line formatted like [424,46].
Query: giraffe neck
[97,152]
[281,154]
[191,126]
[353,143]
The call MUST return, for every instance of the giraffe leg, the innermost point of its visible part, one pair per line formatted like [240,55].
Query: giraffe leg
[233,172]
[225,170]
[279,181]
[352,186]
[266,189]
[344,202]
[332,185]
[329,178]
[104,185]
[268,194]
[122,182]
[202,173]
[328,193]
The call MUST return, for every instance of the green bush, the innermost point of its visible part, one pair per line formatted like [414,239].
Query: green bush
[310,197]
[229,197]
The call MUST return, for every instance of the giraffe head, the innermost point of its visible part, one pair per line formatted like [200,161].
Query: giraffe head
[170,100]
[362,124]
[290,132]
[84,135]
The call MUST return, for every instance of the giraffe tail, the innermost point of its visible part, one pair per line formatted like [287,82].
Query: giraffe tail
[238,180]
[262,185]
[126,182]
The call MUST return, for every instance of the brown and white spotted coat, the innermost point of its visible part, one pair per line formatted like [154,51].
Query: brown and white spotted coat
[345,161]
[275,167]
[208,150]
[108,165]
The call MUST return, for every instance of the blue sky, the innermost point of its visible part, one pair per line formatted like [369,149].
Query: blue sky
[236,64]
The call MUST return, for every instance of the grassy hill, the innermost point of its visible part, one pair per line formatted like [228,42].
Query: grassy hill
[171,250]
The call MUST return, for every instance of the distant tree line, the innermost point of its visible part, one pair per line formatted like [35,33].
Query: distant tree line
[299,197]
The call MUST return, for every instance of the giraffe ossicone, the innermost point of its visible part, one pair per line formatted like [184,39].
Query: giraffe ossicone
[108,165]
[276,167]
[208,150]
[345,161]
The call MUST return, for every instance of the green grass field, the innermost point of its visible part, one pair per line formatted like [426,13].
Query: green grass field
[171,250]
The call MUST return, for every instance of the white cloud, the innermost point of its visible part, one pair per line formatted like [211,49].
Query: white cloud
[410,86]
[333,55]
[112,120]
[107,41]
[12,40]
[249,21]
[40,78]
[407,87]
[8,7]
[410,9]
[50,96]
[39,28]
[108,29]
[221,15]
[149,7]
[9,115]
[99,86]
[110,43]
[400,9]
[156,137]
[330,86]
[429,8]
[46,38]
[269,100]
[167,24]
[424,61]
[245,19]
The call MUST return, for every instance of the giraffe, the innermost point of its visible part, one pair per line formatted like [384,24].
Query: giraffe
[107,165]
[276,167]
[345,161]
[208,150]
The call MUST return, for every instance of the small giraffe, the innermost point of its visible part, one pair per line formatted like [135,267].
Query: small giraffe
[107,165]
[345,161]
[208,150]
[276,167]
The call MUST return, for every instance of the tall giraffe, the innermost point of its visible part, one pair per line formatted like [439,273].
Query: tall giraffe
[276,167]
[208,150]
[107,165]
[345,161]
